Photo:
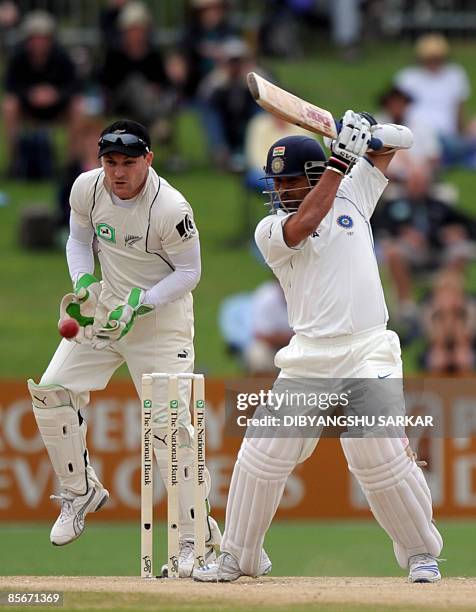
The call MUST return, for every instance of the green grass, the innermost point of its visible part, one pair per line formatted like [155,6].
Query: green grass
[301,548]
[33,283]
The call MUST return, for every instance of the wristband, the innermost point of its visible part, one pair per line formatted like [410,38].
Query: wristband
[338,164]
[339,172]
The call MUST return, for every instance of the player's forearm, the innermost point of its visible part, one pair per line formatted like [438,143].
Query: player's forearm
[181,281]
[313,209]
[172,287]
[80,258]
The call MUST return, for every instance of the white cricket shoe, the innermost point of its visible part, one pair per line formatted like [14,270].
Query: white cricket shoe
[423,568]
[70,523]
[226,569]
[187,551]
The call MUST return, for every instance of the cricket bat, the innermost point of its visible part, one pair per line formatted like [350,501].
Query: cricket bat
[294,110]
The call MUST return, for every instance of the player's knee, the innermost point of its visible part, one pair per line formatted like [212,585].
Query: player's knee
[269,458]
[49,395]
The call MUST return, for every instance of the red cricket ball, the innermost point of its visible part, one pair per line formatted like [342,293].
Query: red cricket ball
[68,328]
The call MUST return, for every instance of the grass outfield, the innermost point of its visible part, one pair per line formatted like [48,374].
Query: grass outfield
[33,283]
[319,566]
[296,549]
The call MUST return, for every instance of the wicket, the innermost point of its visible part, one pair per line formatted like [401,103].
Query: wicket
[147,460]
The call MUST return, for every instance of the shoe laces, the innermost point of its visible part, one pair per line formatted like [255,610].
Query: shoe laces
[67,510]
[424,558]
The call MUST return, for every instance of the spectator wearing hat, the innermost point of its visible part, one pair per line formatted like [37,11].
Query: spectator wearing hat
[425,154]
[41,87]
[133,74]
[439,90]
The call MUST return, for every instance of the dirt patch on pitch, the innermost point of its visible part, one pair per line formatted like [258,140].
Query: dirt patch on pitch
[450,593]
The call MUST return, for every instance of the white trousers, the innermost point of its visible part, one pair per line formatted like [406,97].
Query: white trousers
[263,464]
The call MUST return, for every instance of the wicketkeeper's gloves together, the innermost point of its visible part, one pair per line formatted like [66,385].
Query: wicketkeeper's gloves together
[81,306]
[121,319]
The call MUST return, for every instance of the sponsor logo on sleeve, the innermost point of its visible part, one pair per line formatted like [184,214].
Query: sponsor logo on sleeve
[186,228]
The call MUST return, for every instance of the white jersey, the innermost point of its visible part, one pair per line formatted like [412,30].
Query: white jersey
[331,279]
[135,241]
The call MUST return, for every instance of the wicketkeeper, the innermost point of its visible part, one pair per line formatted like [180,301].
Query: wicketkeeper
[140,313]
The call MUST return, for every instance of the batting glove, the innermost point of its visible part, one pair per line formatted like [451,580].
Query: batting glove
[121,319]
[81,306]
[351,143]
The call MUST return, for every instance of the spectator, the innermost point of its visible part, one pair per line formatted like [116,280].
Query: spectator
[270,329]
[439,90]
[134,76]
[264,129]
[9,19]
[41,89]
[86,158]
[449,320]
[424,156]
[108,23]
[418,233]
[227,105]
[281,30]
[255,326]
[201,48]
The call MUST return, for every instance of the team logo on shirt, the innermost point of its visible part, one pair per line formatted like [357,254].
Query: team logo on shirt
[186,228]
[106,232]
[130,240]
[345,221]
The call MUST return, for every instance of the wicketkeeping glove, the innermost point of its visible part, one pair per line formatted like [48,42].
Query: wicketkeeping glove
[351,143]
[81,306]
[121,319]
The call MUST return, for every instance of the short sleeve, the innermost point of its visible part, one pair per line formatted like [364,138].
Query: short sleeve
[177,229]
[80,201]
[363,187]
[269,238]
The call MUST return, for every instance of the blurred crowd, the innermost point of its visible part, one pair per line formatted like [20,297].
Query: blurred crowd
[423,240]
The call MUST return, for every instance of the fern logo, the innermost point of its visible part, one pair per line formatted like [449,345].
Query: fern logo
[106,232]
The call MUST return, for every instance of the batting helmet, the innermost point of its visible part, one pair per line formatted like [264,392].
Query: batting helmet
[294,156]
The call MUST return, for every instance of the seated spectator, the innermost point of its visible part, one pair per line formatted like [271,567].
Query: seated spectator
[9,19]
[255,326]
[449,321]
[424,156]
[227,106]
[41,89]
[134,76]
[201,47]
[108,22]
[270,329]
[417,232]
[86,158]
[439,89]
[263,130]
